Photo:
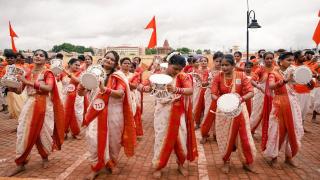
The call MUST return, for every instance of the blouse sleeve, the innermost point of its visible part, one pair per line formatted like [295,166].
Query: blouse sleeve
[256,74]
[117,85]
[186,81]
[49,78]
[215,85]
[246,85]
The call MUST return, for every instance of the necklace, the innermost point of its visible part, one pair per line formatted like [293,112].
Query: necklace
[225,82]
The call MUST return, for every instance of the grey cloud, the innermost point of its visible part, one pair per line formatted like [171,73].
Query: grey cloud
[212,24]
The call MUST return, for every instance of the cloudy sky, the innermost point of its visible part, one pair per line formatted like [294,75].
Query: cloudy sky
[214,24]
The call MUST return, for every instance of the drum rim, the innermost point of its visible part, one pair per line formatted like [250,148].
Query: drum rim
[219,103]
[156,77]
[91,74]
[297,79]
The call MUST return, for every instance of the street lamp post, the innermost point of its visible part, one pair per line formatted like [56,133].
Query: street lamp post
[252,24]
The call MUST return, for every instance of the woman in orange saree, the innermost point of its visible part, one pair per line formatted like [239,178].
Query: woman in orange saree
[41,122]
[109,119]
[173,124]
[73,103]
[285,123]
[262,100]
[234,133]
[203,72]
[210,106]
[133,79]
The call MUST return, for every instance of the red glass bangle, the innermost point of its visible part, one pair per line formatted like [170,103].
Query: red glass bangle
[241,99]
[108,91]
[179,91]
[36,85]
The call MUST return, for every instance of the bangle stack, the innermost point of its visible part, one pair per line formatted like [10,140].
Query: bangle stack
[285,81]
[36,85]
[144,88]
[108,91]
[179,91]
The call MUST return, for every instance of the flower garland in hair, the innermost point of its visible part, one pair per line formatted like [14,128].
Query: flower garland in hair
[171,55]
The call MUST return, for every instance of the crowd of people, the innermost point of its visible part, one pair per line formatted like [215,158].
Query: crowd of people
[52,107]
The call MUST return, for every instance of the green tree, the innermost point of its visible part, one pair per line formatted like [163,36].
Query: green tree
[207,51]
[71,48]
[150,51]
[199,51]
[184,50]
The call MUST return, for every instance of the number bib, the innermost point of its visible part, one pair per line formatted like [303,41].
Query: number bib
[98,104]
[71,88]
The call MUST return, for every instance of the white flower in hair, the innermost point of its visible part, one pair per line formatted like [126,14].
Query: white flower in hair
[171,55]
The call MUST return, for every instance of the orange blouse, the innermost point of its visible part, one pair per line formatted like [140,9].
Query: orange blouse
[220,86]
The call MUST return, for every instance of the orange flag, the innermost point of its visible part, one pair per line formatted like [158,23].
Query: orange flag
[153,39]
[12,35]
[316,35]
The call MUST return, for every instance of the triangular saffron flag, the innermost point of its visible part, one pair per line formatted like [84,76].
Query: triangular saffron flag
[153,39]
[12,35]
[316,34]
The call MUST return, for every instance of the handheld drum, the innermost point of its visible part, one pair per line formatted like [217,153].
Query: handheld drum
[10,78]
[56,66]
[229,105]
[164,66]
[302,75]
[196,79]
[90,79]
[159,85]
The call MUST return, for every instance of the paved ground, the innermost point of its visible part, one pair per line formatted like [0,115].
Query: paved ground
[71,162]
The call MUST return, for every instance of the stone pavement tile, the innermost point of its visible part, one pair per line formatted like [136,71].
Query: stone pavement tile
[139,166]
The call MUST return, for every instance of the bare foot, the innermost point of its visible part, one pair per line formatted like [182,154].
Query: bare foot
[226,168]
[91,176]
[290,162]
[197,126]
[274,164]
[77,137]
[139,138]
[16,171]
[115,171]
[249,167]
[183,171]
[203,140]
[214,138]
[45,163]
[66,136]
[156,174]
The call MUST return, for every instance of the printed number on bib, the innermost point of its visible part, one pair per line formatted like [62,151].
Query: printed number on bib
[71,88]
[98,104]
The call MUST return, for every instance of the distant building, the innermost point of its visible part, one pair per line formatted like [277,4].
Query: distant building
[126,50]
[87,53]
[165,49]
[234,49]
[99,52]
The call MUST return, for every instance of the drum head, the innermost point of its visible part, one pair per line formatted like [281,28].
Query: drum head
[228,102]
[89,81]
[302,75]
[160,79]
[56,62]
[164,65]
[96,71]
[56,70]
[10,83]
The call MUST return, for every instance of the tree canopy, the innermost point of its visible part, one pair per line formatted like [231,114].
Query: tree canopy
[184,50]
[150,51]
[71,48]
